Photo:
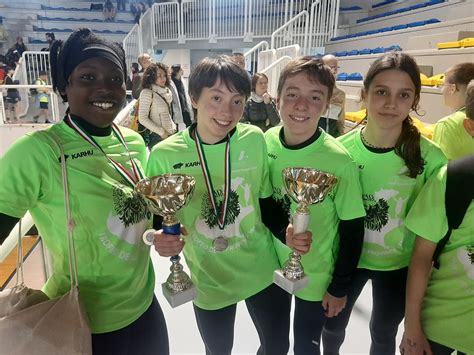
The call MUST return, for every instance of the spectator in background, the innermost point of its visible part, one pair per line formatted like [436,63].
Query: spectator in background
[144,60]
[176,75]
[333,120]
[121,5]
[109,11]
[155,113]
[454,133]
[12,98]
[20,46]
[3,70]
[134,70]
[42,97]
[260,109]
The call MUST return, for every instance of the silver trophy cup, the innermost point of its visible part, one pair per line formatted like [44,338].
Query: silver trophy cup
[306,187]
[165,195]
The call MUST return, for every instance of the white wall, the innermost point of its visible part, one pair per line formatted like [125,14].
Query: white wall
[179,56]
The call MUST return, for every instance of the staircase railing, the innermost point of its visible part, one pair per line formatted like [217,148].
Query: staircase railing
[132,45]
[324,17]
[295,31]
[273,73]
[252,55]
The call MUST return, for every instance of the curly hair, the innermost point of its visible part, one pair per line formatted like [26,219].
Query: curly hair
[151,73]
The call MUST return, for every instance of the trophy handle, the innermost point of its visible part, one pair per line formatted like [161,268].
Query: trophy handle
[173,229]
[300,222]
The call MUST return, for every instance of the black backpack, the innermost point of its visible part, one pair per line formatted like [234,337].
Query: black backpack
[459,195]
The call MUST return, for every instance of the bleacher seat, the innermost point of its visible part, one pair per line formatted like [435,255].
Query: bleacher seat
[355,76]
[400,10]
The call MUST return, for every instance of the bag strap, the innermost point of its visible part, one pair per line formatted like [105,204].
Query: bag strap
[70,225]
[170,109]
[19,258]
[69,222]
[459,195]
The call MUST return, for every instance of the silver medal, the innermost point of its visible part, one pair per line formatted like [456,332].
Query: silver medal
[220,244]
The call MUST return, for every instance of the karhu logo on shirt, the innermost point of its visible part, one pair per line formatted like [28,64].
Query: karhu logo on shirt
[73,156]
[186,165]
[82,154]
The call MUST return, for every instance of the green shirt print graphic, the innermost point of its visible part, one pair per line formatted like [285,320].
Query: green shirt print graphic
[129,206]
[233,208]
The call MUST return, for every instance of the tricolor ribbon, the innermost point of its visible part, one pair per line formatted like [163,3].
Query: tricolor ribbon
[221,215]
[132,179]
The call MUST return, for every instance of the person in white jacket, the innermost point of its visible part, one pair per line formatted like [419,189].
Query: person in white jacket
[155,110]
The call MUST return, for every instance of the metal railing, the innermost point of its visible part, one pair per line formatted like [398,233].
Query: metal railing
[295,31]
[24,104]
[273,73]
[132,45]
[324,17]
[251,56]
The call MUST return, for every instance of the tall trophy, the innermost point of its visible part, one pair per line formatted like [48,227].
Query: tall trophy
[165,195]
[306,187]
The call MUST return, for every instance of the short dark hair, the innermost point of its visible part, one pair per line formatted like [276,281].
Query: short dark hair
[313,67]
[175,68]
[151,73]
[470,100]
[255,78]
[210,70]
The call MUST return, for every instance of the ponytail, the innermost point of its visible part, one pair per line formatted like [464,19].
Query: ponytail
[408,147]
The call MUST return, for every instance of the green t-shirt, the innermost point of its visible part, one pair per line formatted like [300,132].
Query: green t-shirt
[388,194]
[344,202]
[451,136]
[116,277]
[246,266]
[448,306]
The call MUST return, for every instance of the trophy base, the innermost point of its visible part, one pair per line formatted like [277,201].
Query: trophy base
[177,299]
[290,286]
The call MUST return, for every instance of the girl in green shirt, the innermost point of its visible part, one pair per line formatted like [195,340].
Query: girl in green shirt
[394,163]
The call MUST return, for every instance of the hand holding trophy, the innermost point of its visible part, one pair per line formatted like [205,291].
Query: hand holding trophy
[165,195]
[306,187]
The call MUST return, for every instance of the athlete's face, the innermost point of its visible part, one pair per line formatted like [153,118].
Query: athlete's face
[218,111]
[389,99]
[301,103]
[96,91]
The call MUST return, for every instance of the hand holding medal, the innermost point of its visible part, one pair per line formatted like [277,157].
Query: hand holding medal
[165,195]
[305,186]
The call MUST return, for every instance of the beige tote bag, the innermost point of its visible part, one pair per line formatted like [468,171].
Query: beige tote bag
[30,323]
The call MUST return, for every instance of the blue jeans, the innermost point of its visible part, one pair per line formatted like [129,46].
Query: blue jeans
[388,296]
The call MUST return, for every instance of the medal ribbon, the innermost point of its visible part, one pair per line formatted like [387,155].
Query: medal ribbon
[132,179]
[207,178]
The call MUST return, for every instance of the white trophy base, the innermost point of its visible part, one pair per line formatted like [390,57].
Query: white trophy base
[177,299]
[290,286]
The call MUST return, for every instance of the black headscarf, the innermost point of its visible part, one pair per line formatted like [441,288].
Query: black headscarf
[80,46]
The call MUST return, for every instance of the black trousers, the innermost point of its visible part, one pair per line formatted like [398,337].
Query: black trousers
[307,327]
[439,349]
[388,297]
[269,310]
[148,335]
